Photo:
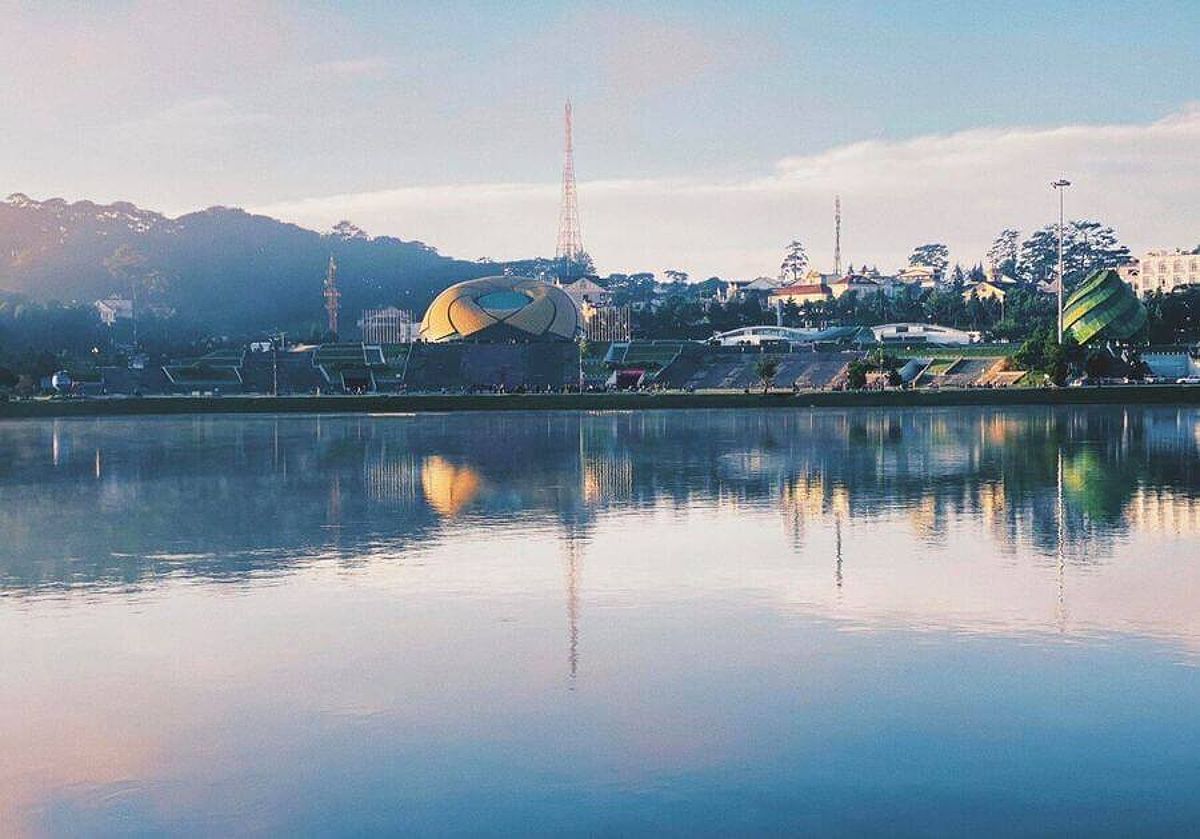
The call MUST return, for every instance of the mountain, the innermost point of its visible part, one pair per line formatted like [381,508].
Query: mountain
[221,267]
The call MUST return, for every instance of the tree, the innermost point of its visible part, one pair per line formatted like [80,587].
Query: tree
[945,307]
[933,255]
[1092,246]
[124,263]
[766,369]
[127,266]
[1026,311]
[791,313]
[1005,252]
[676,277]
[1057,359]
[856,374]
[1041,352]
[1031,355]
[1098,362]
[795,263]
[584,348]
[1087,246]
[348,230]
[958,277]
[567,268]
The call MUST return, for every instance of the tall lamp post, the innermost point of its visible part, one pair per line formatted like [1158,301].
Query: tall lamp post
[1061,186]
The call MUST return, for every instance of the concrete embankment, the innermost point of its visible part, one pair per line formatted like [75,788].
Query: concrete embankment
[424,403]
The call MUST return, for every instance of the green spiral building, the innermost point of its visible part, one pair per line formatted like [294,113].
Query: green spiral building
[1103,309]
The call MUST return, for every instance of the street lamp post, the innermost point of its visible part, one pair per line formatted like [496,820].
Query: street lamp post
[1061,185]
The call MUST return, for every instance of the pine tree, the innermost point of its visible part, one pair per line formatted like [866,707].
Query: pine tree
[1087,246]
[795,262]
[1005,252]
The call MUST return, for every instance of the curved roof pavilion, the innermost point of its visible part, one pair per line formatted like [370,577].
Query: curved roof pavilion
[501,309]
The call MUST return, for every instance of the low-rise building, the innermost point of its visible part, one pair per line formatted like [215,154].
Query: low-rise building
[921,333]
[800,294]
[854,285]
[585,290]
[761,287]
[921,276]
[114,308]
[388,325]
[987,290]
[1161,271]
[754,336]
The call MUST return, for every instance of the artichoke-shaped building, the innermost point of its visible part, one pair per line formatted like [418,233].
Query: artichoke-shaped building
[501,309]
[1103,309]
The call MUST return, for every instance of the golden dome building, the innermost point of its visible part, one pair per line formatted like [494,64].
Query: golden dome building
[501,310]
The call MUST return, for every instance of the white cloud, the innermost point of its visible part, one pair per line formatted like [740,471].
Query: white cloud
[195,123]
[959,188]
[348,68]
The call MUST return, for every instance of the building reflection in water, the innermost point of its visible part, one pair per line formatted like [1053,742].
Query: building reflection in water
[837,573]
[448,488]
[1065,484]
[574,552]
[730,557]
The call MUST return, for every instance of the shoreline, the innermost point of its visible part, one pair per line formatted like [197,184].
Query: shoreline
[674,400]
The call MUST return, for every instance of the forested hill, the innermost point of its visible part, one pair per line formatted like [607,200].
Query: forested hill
[222,267]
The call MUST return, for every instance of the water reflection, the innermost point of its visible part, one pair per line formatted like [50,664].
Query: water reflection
[870,621]
[920,515]
[111,501]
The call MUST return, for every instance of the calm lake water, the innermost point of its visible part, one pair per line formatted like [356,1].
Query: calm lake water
[828,622]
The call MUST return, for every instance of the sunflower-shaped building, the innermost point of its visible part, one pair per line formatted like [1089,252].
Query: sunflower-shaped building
[501,309]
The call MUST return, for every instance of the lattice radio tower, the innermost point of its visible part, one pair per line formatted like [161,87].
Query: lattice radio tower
[570,242]
[332,295]
[837,237]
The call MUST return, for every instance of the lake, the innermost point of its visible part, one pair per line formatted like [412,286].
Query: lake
[918,622]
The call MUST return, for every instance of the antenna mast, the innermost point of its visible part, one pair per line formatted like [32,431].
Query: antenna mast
[570,243]
[837,236]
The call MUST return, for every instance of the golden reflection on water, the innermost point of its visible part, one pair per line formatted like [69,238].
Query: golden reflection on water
[449,489]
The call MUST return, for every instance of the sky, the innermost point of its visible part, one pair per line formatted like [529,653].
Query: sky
[707,134]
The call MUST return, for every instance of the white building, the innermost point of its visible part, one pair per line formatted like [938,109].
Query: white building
[114,308]
[855,285]
[741,288]
[584,290]
[921,276]
[1162,271]
[753,336]
[387,326]
[921,333]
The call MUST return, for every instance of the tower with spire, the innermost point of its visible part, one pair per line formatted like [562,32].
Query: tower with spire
[333,295]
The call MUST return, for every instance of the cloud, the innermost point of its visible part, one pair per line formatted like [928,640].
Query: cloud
[959,188]
[192,124]
[639,55]
[120,59]
[350,68]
